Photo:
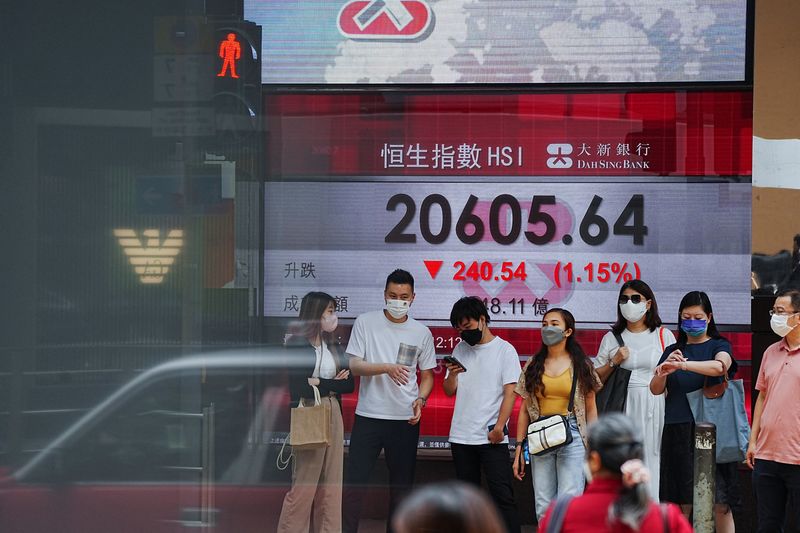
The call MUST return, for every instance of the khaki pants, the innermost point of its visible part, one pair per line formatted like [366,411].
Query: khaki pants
[317,484]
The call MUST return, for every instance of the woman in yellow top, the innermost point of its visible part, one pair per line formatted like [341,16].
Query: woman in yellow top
[545,385]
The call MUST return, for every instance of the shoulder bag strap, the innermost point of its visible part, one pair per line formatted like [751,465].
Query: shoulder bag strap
[571,405]
[559,513]
[661,338]
[618,337]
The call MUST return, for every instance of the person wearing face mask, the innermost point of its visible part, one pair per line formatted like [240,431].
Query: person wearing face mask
[644,339]
[617,499]
[545,385]
[774,449]
[484,401]
[701,356]
[315,360]
[386,347]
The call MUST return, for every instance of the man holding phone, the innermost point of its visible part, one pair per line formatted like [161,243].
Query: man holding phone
[482,376]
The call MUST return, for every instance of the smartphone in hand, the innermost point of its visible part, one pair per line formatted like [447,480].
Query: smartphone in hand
[453,361]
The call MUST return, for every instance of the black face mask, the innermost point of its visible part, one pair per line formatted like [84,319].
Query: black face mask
[472,336]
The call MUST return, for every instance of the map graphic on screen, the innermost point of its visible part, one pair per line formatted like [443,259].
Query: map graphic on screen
[500,41]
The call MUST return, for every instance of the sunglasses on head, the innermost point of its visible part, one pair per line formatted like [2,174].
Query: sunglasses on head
[635,298]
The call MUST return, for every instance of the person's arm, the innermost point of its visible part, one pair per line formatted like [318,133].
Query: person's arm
[398,373]
[750,457]
[667,365]
[343,383]
[610,351]
[509,398]
[450,383]
[523,420]
[718,367]
[591,408]
[425,388]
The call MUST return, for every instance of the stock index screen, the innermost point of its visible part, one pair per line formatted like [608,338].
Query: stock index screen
[526,201]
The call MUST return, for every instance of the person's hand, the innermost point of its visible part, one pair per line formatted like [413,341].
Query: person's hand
[398,373]
[518,467]
[622,354]
[496,435]
[750,456]
[314,382]
[417,407]
[343,374]
[676,356]
[668,367]
[453,370]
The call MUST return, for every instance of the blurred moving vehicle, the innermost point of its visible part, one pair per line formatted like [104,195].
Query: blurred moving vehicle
[190,443]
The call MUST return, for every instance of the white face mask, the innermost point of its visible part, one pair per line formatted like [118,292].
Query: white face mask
[397,308]
[779,324]
[633,312]
[328,323]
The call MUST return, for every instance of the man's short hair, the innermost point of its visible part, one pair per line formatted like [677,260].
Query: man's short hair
[400,277]
[469,307]
[794,294]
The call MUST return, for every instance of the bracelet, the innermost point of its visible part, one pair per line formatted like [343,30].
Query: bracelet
[424,400]
[611,363]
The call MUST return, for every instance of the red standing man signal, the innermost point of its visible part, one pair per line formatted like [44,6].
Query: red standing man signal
[230,50]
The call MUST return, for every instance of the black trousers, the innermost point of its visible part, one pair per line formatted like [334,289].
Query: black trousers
[494,461]
[398,439]
[775,485]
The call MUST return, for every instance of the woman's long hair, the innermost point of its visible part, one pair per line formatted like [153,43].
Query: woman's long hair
[312,307]
[580,362]
[651,318]
[689,300]
[616,440]
[448,507]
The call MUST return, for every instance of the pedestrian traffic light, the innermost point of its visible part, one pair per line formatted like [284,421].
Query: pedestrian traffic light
[237,96]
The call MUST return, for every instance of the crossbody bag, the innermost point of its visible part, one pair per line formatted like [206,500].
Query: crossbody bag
[549,433]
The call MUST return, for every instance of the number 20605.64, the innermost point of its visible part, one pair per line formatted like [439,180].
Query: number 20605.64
[471,228]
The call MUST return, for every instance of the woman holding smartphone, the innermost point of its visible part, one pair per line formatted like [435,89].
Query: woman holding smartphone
[315,361]
[545,385]
[638,325]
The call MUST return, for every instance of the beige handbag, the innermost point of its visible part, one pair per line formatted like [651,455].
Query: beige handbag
[311,425]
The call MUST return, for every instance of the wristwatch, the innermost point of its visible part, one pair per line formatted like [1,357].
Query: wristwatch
[611,363]
[424,401]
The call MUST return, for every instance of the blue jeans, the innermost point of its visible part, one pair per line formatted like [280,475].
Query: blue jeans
[559,472]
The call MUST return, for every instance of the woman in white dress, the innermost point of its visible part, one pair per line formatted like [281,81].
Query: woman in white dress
[644,341]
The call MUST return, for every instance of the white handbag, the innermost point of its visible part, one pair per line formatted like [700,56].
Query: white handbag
[552,432]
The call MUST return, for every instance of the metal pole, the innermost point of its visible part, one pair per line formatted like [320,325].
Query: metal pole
[705,467]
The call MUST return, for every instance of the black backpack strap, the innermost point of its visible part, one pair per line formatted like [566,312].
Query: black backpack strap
[558,514]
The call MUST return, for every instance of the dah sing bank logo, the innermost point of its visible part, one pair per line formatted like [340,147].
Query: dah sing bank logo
[559,151]
[385,19]
[603,155]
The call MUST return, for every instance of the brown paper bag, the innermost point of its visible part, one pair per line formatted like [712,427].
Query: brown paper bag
[310,426]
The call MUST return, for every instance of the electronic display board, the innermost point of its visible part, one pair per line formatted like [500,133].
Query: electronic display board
[541,201]
[500,41]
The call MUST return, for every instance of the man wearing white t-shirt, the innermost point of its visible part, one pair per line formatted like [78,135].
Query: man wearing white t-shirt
[483,384]
[385,347]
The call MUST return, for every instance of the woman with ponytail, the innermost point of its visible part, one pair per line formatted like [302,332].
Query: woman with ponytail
[617,499]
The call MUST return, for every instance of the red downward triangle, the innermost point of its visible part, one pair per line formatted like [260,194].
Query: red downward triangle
[433,267]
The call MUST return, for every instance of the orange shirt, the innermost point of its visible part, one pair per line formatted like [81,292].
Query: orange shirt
[779,379]
[556,394]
